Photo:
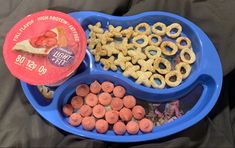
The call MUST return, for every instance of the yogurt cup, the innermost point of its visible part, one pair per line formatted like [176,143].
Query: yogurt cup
[45,48]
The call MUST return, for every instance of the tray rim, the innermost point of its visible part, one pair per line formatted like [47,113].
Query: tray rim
[142,137]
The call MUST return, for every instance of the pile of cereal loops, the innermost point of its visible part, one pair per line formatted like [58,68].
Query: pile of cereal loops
[154,56]
[105,106]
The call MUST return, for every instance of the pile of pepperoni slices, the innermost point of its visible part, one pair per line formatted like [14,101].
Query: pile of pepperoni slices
[105,106]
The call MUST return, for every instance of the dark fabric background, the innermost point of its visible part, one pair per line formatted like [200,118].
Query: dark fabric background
[21,126]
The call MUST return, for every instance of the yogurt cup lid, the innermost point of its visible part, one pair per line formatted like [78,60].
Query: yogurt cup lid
[44,47]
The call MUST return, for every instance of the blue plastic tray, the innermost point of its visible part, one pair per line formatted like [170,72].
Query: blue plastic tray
[206,73]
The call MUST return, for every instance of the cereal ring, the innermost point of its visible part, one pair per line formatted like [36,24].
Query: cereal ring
[136,55]
[88,123]
[108,63]
[162,65]
[75,119]
[143,39]
[160,78]
[185,40]
[125,114]
[184,69]
[143,78]
[98,111]
[144,26]
[85,110]
[91,99]
[171,45]
[95,87]
[156,30]
[146,125]
[105,98]
[119,91]
[171,27]
[107,86]
[154,49]
[116,104]
[187,56]
[129,101]
[146,65]
[111,116]
[67,109]
[77,102]
[138,112]
[82,90]
[132,127]
[101,126]
[152,39]
[119,128]
[173,78]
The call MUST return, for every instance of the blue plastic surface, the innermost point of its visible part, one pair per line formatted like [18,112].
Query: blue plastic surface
[206,73]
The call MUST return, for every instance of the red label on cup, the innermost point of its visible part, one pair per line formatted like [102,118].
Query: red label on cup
[45,47]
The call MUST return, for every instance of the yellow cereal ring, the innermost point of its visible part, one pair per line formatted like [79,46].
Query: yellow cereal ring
[160,78]
[148,49]
[140,37]
[157,65]
[184,69]
[145,26]
[181,39]
[171,45]
[157,31]
[171,27]
[187,56]
[176,81]
[151,42]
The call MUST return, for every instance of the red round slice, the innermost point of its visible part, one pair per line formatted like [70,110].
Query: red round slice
[119,128]
[119,91]
[75,119]
[105,98]
[77,102]
[146,125]
[107,86]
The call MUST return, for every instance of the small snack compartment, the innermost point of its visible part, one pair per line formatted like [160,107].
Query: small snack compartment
[116,60]
[191,105]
